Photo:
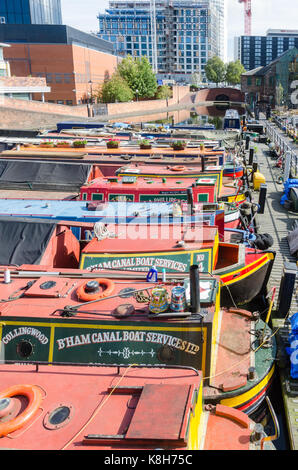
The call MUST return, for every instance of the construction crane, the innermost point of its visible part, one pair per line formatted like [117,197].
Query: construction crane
[247,16]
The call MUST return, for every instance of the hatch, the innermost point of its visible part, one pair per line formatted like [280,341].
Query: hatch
[50,287]
[161,415]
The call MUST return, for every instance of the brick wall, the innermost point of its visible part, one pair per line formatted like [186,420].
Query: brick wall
[179,94]
[38,106]
[68,68]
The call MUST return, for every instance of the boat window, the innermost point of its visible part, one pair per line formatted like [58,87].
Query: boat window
[166,354]
[58,417]
[203,197]
[97,197]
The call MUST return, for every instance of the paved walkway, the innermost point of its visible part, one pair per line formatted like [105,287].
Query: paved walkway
[276,221]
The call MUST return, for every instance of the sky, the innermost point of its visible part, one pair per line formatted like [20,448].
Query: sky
[266,14]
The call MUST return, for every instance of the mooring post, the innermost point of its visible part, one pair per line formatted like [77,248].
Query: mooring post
[262,198]
[286,290]
[251,157]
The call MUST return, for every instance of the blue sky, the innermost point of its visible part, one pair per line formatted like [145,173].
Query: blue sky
[267,14]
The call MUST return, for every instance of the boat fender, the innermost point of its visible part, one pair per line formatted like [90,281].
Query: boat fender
[34,396]
[263,242]
[95,294]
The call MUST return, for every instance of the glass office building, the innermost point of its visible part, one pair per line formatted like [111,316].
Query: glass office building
[30,12]
[188,32]
[259,51]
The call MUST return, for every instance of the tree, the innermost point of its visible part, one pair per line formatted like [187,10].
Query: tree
[138,74]
[115,90]
[163,92]
[196,79]
[234,70]
[215,70]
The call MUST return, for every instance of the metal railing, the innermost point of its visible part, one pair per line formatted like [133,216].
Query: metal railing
[289,154]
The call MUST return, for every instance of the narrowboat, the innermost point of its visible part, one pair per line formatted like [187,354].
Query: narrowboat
[243,271]
[103,151]
[108,164]
[232,121]
[116,408]
[141,189]
[164,213]
[51,315]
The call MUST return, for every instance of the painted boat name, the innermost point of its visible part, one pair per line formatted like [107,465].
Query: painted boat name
[25,331]
[137,336]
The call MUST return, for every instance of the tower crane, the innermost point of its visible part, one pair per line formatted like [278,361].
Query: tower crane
[247,16]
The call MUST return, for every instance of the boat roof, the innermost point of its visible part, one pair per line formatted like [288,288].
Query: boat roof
[127,183]
[138,169]
[40,175]
[86,387]
[121,408]
[128,150]
[53,291]
[87,211]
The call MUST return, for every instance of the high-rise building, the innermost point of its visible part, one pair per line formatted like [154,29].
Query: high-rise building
[30,12]
[259,51]
[184,33]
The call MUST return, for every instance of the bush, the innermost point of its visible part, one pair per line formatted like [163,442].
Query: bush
[116,90]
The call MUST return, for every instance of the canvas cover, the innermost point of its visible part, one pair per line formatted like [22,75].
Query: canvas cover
[38,175]
[23,241]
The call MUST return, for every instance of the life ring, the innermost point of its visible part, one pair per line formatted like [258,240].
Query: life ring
[86,297]
[178,168]
[34,395]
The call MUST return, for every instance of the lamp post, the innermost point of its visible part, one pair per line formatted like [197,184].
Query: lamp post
[91,99]
[137,95]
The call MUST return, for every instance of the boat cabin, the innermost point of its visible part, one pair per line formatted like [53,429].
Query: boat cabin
[140,189]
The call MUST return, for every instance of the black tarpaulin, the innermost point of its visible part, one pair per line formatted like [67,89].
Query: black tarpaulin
[23,241]
[36,175]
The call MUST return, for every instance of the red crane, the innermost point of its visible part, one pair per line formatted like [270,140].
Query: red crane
[247,16]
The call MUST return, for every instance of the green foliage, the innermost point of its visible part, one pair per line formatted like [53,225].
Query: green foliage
[115,90]
[163,92]
[215,70]
[234,70]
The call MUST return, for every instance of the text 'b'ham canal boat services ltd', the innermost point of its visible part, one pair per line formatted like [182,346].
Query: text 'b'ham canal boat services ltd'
[72,317]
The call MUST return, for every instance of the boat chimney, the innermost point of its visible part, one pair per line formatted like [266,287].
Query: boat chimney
[194,289]
[190,199]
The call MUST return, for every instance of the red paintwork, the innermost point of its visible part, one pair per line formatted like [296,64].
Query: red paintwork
[154,186]
[63,249]
[98,399]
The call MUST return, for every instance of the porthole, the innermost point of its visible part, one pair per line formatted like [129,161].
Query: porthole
[165,354]
[24,349]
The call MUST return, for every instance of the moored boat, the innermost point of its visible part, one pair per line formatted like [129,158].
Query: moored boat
[243,271]
[141,189]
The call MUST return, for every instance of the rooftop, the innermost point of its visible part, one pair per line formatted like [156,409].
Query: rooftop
[52,34]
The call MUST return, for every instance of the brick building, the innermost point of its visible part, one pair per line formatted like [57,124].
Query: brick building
[73,63]
[273,83]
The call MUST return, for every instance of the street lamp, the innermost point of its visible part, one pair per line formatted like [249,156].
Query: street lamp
[137,95]
[91,91]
